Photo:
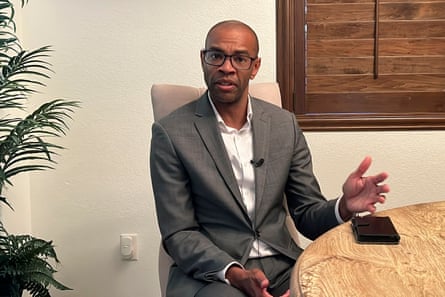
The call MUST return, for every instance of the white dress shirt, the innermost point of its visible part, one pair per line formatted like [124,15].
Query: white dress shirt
[239,147]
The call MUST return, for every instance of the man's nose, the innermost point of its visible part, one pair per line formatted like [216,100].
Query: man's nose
[227,65]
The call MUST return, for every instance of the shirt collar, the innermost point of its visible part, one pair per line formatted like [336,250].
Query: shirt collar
[220,119]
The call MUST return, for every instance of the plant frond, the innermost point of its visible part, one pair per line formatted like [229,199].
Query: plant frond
[26,168]
[24,260]
[36,289]
[39,285]
[25,145]
[26,247]
[3,231]
[9,40]
[27,151]
[24,71]
[11,100]
[7,123]
[3,199]
[27,140]
[47,279]
[7,11]
[24,2]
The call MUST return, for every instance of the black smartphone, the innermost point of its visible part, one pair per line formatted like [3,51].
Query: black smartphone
[374,230]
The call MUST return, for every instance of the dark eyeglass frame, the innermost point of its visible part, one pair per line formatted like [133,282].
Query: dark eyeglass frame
[205,52]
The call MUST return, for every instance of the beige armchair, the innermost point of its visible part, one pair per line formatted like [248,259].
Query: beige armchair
[166,98]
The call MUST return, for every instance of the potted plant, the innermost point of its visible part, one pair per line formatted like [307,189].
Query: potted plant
[26,262]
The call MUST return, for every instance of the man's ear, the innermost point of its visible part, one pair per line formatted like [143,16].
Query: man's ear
[256,68]
[201,55]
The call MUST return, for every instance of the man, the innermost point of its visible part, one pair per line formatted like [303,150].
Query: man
[219,168]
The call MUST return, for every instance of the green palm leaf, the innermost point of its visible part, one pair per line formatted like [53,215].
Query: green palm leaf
[26,144]
[20,74]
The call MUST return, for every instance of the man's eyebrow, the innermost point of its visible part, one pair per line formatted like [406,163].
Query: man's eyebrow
[238,52]
[212,48]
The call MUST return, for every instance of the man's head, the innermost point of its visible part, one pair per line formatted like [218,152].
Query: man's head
[229,60]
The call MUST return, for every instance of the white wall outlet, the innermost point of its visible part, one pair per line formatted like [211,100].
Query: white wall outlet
[129,246]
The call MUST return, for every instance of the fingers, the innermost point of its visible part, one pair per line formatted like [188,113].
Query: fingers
[372,208]
[382,189]
[261,281]
[363,167]
[261,278]
[265,293]
[381,199]
[377,179]
[254,282]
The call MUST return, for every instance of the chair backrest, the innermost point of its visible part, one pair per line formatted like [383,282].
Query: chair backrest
[167,97]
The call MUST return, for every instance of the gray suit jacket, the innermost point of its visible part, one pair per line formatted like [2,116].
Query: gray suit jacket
[202,219]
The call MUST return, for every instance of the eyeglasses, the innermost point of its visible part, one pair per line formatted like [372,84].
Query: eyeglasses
[218,58]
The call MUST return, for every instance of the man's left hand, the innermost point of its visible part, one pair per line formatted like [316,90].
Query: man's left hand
[361,193]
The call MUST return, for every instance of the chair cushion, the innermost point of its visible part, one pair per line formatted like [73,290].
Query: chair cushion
[167,97]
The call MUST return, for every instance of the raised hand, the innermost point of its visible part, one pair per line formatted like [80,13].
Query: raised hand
[361,193]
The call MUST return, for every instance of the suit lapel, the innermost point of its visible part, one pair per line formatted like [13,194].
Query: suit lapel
[207,128]
[261,138]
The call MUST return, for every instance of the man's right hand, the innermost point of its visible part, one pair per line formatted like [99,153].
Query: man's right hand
[252,282]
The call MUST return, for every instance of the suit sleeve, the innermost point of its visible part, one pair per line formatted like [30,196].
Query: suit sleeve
[191,250]
[312,213]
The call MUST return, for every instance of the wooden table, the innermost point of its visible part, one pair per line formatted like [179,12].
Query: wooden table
[335,265]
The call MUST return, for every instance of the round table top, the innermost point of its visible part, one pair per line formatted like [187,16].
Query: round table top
[335,265]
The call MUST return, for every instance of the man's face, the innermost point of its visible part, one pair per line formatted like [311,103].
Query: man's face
[226,83]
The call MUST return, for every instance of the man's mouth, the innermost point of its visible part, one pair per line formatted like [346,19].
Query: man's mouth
[225,85]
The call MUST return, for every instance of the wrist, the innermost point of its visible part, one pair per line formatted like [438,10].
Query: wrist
[343,210]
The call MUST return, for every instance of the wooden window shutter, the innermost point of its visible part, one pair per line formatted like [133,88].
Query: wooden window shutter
[376,60]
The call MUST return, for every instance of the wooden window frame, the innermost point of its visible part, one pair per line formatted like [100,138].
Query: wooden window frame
[291,78]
